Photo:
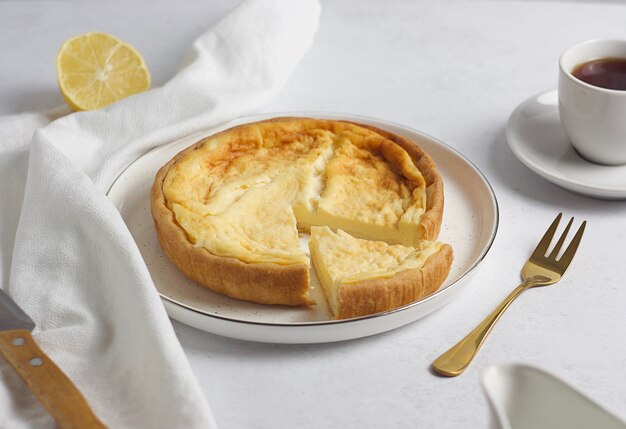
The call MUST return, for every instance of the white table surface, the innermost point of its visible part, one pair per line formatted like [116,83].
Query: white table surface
[454,70]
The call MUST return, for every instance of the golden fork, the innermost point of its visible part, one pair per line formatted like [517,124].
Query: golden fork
[539,270]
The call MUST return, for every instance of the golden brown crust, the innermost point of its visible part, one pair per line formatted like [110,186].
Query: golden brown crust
[270,283]
[378,295]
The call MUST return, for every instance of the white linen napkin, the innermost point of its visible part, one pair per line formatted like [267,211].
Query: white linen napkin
[66,255]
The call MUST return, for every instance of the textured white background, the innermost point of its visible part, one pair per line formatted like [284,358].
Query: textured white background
[454,70]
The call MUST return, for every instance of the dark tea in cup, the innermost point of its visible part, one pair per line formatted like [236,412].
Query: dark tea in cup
[592,99]
[609,73]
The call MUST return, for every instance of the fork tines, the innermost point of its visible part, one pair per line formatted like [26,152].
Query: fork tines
[566,258]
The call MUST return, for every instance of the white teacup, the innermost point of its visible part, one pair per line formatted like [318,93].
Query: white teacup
[594,118]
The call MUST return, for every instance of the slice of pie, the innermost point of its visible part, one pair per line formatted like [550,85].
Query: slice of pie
[361,277]
[228,210]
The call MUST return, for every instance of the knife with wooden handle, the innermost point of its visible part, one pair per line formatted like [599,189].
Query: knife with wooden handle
[48,383]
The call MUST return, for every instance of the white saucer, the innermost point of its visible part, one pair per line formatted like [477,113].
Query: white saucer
[536,137]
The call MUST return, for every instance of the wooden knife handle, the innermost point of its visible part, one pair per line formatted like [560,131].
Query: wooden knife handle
[46,380]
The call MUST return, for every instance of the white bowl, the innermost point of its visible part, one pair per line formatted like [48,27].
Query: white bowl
[522,396]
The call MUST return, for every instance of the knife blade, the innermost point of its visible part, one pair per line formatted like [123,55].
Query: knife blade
[12,316]
[45,379]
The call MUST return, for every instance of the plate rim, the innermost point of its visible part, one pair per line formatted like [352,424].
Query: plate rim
[562,181]
[338,116]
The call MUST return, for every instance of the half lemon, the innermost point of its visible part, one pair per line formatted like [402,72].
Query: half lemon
[97,69]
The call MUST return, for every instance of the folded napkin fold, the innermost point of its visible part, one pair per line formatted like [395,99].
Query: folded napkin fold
[66,255]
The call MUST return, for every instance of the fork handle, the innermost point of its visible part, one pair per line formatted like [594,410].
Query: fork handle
[457,358]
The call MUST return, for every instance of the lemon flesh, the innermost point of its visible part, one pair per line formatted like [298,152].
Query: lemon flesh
[97,69]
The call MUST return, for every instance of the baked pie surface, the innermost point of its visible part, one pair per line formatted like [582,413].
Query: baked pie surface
[228,209]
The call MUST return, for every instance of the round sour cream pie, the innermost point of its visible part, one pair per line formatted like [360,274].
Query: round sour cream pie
[228,210]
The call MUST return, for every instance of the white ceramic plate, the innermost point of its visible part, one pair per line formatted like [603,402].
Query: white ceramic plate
[470,224]
[536,137]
